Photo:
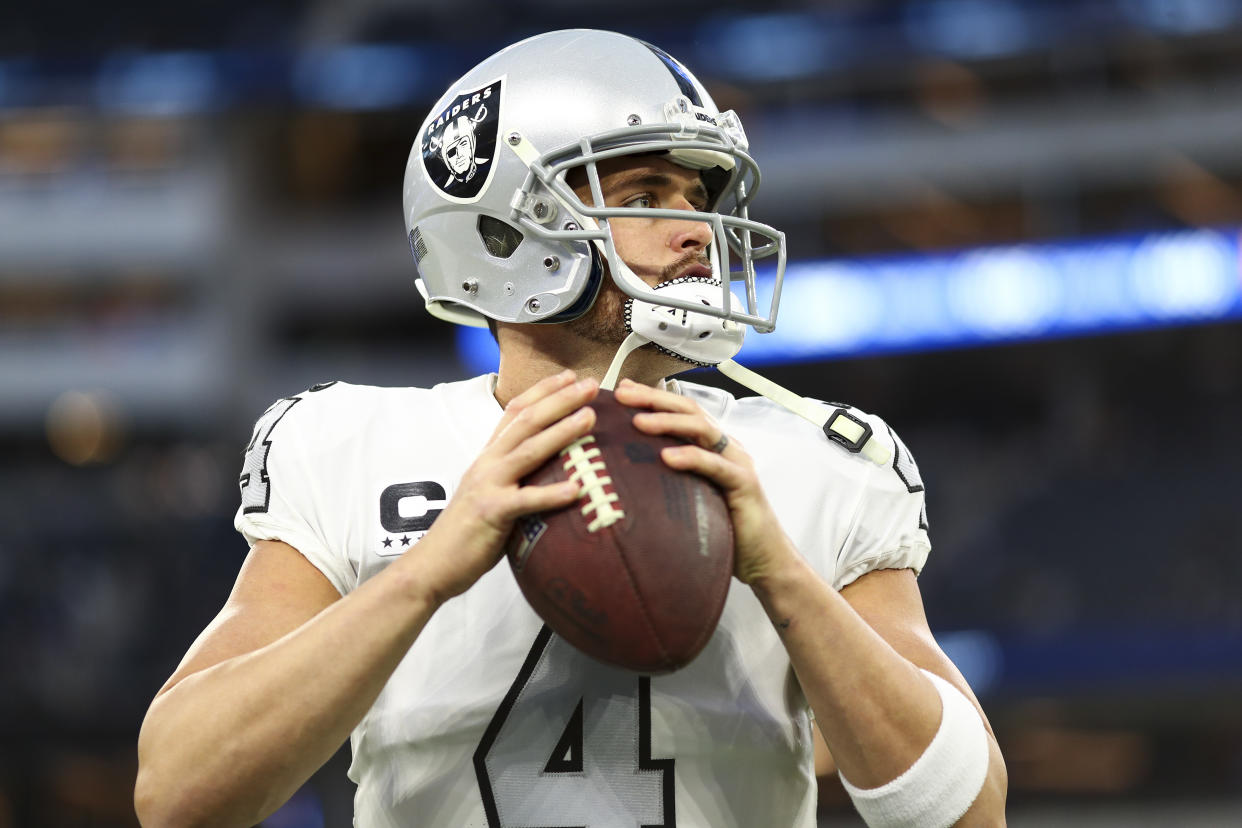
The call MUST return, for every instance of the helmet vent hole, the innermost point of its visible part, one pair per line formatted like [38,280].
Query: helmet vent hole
[500,238]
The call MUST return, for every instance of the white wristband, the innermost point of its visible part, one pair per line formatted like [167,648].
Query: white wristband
[942,783]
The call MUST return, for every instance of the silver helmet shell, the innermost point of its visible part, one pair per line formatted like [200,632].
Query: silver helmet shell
[498,233]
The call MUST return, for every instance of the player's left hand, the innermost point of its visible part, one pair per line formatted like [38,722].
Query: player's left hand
[760,545]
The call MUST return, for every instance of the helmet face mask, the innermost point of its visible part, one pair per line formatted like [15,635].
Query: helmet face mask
[527,119]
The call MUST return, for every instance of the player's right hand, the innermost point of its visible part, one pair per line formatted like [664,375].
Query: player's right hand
[468,537]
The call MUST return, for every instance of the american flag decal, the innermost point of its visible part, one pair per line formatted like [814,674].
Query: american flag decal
[529,530]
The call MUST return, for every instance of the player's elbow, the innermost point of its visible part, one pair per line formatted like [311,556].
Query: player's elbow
[155,801]
[158,800]
[179,792]
[149,807]
[988,809]
[161,801]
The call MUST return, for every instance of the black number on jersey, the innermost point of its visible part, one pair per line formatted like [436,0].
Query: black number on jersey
[908,471]
[570,746]
[567,755]
[256,487]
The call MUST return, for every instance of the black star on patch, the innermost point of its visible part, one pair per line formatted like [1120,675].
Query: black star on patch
[387,542]
[405,540]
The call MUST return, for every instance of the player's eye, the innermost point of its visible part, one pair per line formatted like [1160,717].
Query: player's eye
[643,201]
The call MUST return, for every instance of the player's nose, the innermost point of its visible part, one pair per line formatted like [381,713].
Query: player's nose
[689,235]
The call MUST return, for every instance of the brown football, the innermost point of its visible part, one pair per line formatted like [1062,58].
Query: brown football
[636,571]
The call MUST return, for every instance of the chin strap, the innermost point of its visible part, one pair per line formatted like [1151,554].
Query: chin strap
[706,340]
[838,426]
[631,344]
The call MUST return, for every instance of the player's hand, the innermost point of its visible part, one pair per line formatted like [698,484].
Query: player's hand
[468,537]
[760,545]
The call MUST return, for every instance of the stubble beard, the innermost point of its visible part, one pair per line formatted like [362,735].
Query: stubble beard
[604,323]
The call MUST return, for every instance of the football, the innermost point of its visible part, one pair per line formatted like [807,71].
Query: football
[634,573]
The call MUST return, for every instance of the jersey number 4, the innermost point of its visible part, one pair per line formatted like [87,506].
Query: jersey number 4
[570,745]
[256,491]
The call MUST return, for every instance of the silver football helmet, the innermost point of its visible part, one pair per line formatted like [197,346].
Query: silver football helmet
[498,233]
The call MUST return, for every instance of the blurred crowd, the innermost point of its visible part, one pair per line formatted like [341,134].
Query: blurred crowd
[199,213]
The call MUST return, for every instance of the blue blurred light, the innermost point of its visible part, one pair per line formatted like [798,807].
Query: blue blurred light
[161,84]
[1003,293]
[835,309]
[303,810]
[1183,16]
[767,47]
[978,654]
[477,350]
[1184,277]
[970,29]
[359,77]
[833,303]
[1133,660]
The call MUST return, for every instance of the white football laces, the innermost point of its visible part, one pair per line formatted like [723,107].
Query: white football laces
[585,464]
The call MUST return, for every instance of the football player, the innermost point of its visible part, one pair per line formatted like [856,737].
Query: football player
[599,238]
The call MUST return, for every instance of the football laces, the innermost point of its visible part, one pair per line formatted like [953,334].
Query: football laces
[586,467]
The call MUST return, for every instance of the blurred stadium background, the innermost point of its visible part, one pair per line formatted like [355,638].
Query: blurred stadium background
[1014,228]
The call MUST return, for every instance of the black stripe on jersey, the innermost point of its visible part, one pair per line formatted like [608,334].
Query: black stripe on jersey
[898,461]
[912,485]
[498,721]
[645,762]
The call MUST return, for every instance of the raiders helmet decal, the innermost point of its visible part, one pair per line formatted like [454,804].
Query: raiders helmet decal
[459,143]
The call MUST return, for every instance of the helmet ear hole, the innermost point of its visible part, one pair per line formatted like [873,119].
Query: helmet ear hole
[499,237]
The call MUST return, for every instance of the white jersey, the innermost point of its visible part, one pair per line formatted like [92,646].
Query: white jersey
[490,719]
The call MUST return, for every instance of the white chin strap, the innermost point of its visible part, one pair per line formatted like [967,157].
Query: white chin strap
[695,337]
[709,340]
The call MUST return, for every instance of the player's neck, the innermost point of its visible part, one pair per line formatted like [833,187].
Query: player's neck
[525,361]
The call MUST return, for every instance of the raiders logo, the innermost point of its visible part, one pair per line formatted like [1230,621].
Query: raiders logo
[459,143]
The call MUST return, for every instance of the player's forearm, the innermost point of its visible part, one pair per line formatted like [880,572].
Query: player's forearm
[230,744]
[876,710]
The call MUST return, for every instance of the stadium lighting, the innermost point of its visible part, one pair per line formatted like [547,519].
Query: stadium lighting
[833,309]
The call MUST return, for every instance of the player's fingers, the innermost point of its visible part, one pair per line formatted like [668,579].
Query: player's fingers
[535,450]
[536,414]
[531,499]
[637,395]
[722,471]
[695,428]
